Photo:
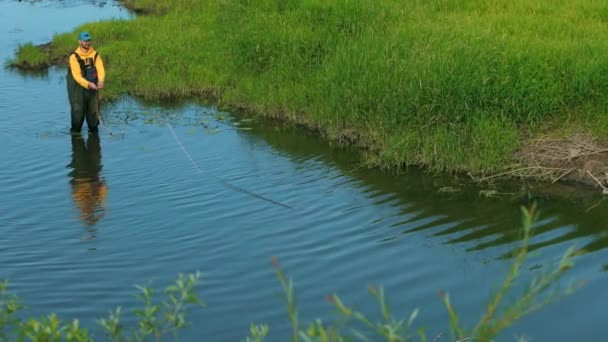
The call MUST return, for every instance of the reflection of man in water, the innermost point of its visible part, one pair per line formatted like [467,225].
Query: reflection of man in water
[88,188]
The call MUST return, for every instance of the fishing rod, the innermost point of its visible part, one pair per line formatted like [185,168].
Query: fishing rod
[99,113]
[104,127]
[223,182]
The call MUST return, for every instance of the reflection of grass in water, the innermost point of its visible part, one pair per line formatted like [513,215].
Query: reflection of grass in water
[211,131]
[212,123]
[191,131]
[196,119]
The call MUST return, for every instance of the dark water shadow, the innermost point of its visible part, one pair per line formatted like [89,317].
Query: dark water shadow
[27,74]
[453,208]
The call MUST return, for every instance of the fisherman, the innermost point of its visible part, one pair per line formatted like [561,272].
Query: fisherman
[85,77]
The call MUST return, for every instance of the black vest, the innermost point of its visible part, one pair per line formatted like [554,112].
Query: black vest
[87,67]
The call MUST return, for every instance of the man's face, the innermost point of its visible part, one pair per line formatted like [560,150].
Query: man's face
[85,44]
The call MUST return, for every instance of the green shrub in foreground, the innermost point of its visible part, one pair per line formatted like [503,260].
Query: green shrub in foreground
[496,318]
[155,320]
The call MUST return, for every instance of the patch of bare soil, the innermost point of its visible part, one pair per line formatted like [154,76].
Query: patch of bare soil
[579,158]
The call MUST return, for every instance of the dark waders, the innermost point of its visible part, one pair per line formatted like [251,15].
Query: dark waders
[83,103]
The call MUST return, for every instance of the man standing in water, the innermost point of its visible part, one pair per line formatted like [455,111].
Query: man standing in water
[85,77]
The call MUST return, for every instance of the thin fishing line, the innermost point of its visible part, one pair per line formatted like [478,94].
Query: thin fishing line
[225,183]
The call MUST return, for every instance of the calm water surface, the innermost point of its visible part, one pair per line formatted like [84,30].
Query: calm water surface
[82,219]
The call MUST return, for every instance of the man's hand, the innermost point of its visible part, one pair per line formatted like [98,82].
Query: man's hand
[100,85]
[92,86]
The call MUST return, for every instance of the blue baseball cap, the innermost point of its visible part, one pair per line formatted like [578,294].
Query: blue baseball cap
[84,35]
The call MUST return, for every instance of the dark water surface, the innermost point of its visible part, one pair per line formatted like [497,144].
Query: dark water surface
[82,219]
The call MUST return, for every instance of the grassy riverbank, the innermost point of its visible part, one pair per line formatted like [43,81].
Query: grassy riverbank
[457,86]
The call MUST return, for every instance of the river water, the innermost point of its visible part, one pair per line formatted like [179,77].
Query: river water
[175,188]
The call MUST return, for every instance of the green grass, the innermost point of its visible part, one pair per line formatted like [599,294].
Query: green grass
[449,84]
[30,57]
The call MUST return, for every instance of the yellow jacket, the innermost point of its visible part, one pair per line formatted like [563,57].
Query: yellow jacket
[90,197]
[75,66]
